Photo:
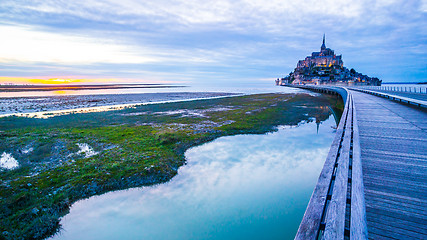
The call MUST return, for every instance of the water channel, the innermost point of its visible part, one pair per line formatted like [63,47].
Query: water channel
[236,187]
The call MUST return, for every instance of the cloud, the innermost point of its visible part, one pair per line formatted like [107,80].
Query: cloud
[240,14]
[27,45]
[241,39]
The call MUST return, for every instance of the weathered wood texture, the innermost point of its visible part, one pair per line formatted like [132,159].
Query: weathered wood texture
[310,225]
[337,209]
[335,218]
[393,143]
[358,223]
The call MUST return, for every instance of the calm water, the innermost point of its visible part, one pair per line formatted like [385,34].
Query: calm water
[237,187]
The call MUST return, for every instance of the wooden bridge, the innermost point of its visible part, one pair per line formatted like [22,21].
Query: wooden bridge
[374,181]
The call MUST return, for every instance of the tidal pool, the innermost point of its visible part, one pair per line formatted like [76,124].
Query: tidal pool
[236,187]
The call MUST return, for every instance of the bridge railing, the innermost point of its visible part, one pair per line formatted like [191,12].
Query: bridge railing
[337,206]
[410,101]
[404,88]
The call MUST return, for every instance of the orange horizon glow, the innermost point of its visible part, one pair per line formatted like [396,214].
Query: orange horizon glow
[53,81]
[60,92]
[71,80]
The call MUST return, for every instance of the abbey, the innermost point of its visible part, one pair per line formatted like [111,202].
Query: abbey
[325,67]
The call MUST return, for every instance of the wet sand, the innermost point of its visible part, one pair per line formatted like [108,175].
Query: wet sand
[21,105]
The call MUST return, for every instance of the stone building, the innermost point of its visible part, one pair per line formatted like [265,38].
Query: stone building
[325,67]
[325,58]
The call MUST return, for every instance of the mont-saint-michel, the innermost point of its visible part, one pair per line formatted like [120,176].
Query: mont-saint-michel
[325,67]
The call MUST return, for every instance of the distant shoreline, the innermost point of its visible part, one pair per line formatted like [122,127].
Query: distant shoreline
[26,88]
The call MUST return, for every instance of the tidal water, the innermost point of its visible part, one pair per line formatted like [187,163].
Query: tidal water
[235,187]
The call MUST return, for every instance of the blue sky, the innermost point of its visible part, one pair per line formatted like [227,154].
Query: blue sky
[208,42]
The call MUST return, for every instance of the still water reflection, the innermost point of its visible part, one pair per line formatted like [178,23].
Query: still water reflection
[237,187]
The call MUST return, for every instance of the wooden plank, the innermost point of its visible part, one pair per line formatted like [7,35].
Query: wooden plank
[376,170]
[379,132]
[418,138]
[396,198]
[396,209]
[403,142]
[399,223]
[335,216]
[379,234]
[374,211]
[419,174]
[414,164]
[396,160]
[391,125]
[396,232]
[417,165]
[416,185]
[386,146]
[398,157]
[372,121]
[310,224]
[375,236]
[358,224]
[399,190]
[406,155]
[394,204]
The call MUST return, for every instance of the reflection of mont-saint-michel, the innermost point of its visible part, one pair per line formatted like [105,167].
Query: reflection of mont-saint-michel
[325,67]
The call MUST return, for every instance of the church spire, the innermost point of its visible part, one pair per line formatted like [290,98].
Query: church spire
[323,47]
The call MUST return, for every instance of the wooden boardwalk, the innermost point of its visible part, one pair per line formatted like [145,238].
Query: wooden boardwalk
[393,140]
[374,181]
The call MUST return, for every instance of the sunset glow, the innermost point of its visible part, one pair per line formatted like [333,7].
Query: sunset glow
[54,81]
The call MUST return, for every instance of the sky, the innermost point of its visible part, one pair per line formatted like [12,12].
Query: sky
[206,42]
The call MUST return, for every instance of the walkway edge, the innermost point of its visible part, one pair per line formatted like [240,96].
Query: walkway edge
[324,214]
[359,227]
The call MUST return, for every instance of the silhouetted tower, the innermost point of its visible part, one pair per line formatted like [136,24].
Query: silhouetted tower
[317,124]
[323,47]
